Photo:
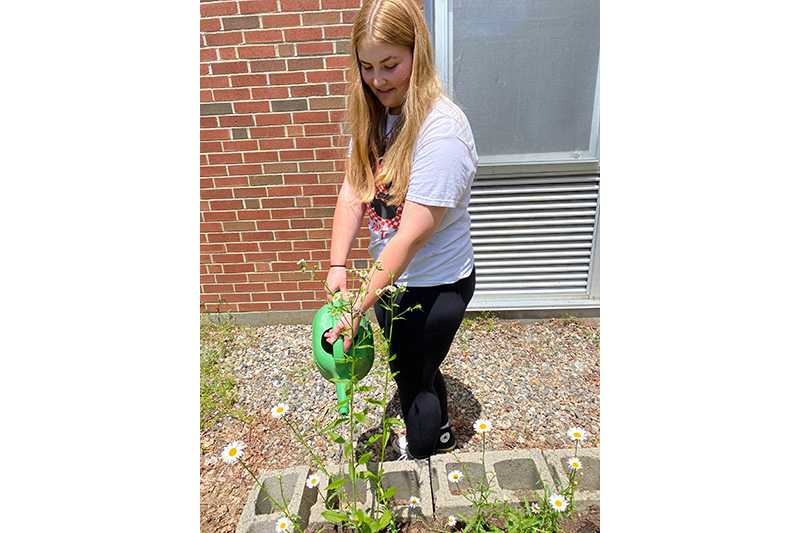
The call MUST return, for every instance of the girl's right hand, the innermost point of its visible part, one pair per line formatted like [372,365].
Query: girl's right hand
[337,281]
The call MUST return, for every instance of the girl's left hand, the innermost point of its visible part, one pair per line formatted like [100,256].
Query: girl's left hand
[344,326]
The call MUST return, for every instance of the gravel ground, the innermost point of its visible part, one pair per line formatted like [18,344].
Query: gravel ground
[533,381]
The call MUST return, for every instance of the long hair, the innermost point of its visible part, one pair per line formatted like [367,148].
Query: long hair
[398,23]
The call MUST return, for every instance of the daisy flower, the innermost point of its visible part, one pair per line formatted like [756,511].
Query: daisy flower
[574,463]
[336,297]
[234,450]
[455,476]
[451,520]
[363,272]
[312,481]
[279,410]
[558,502]
[535,508]
[413,501]
[482,426]
[577,433]
[282,524]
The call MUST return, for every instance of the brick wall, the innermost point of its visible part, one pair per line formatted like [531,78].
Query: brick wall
[272,147]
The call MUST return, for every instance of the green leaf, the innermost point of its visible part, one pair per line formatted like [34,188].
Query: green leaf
[396,422]
[333,516]
[364,458]
[374,438]
[360,417]
[373,401]
[385,517]
[336,484]
[335,437]
[389,492]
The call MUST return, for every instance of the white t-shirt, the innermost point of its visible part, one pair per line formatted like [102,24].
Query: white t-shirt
[444,162]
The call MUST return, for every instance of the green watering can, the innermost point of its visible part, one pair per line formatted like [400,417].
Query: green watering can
[330,358]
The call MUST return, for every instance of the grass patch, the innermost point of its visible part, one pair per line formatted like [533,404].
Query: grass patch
[218,389]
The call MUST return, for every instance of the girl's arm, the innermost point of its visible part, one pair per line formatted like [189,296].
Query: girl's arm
[347,219]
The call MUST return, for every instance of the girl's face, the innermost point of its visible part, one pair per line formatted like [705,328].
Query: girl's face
[386,69]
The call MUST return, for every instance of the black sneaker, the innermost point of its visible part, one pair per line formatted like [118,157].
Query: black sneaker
[446,442]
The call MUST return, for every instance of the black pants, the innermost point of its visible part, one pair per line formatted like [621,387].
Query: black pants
[421,340]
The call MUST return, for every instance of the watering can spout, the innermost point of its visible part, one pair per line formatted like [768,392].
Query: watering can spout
[332,362]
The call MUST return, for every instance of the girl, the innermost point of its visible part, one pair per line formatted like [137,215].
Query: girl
[411,165]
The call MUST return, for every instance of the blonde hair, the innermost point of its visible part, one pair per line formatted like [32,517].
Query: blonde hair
[398,23]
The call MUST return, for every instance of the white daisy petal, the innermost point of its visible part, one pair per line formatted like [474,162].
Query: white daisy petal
[481,425]
[413,501]
[574,463]
[233,451]
[577,433]
[279,410]
[283,524]
[451,520]
[312,481]
[535,508]
[455,476]
[558,502]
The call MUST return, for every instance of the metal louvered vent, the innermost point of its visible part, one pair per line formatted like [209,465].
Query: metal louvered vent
[533,240]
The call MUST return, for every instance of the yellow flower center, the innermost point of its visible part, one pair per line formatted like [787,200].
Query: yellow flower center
[575,465]
[576,435]
[558,503]
[483,426]
[232,452]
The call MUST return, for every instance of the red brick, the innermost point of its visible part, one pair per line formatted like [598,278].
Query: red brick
[215,194]
[309,90]
[231,181]
[273,119]
[243,170]
[323,76]
[250,192]
[256,52]
[225,205]
[331,153]
[227,53]
[210,147]
[251,107]
[320,19]
[216,248]
[247,80]
[269,93]
[309,116]
[305,63]
[341,4]
[225,158]
[238,267]
[234,121]
[231,95]
[208,54]
[207,134]
[221,39]
[285,306]
[286,213]
[306,223]
[299,5]
[213,171]
[229,67]
[338,32]
[295,155]
[217,287]
[211,216]
[227,258]
[280,20]
[321,129]
[276,144]
[254,214]
[266,297]
[268,132]
[213,82]
[313,142]
[314,48]
[211,9]
[206,96]
[210,24]
[279,203]
[231,278]
[303,34]
[245,307]
[224,237]
[317,190]
[240,146]
[263,36]
[257,6]
[287,78]
[260,157]
[337,88]
[209,122]
[337,62]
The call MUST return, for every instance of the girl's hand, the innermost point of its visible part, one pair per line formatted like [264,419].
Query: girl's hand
[337,281]
[344,326]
